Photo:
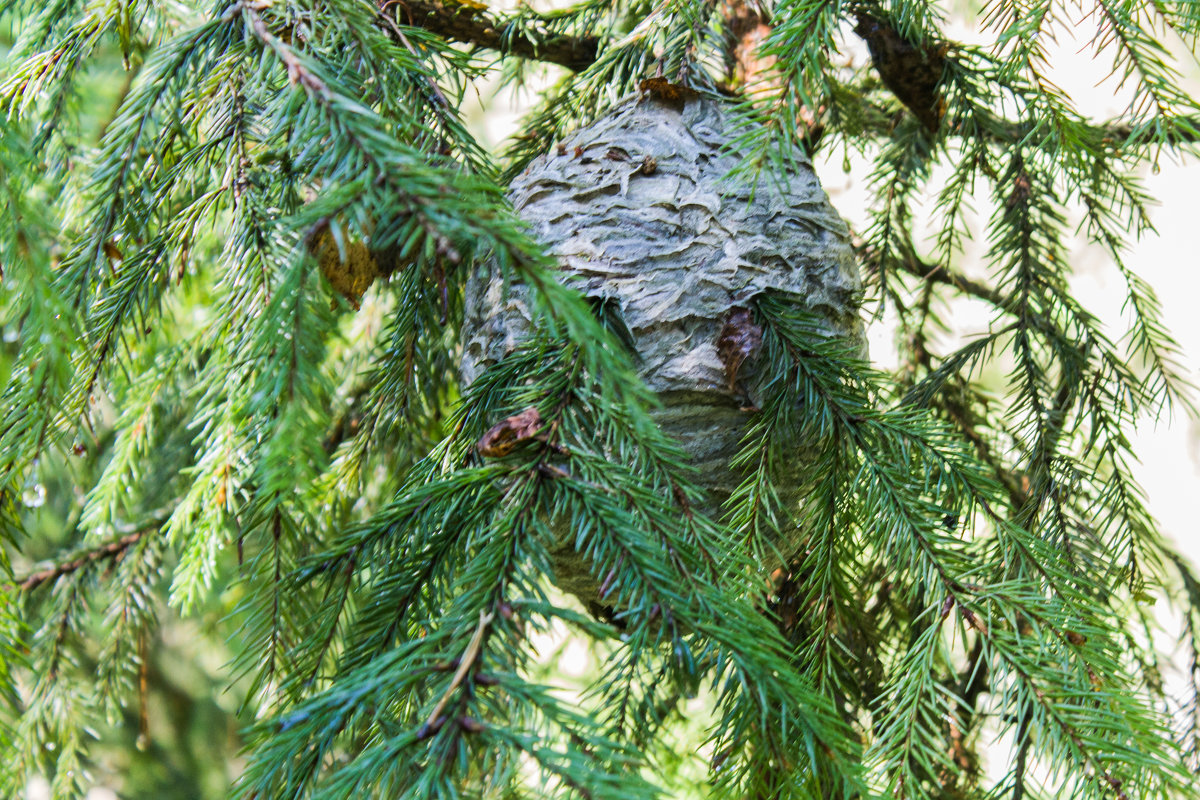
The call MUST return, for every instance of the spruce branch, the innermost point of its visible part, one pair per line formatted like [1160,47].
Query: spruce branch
[109,550]
[917,547]
[944,274]
[469,23]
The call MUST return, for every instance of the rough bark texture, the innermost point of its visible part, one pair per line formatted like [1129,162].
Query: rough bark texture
[472,24]
[639,210]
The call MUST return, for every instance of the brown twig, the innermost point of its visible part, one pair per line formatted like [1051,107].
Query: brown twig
[128,534]
[398,35]
[108,550]
[296,71]
[960,413]
[469,24]
[939,273]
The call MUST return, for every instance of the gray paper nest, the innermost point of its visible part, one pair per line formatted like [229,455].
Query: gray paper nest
[638,206]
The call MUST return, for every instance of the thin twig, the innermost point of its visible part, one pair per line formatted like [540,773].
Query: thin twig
[399,36]
[128,535]
[940,273]
[108,550]
[464,665]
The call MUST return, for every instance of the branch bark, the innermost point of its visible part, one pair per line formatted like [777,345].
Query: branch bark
[1000,131]
[464,22]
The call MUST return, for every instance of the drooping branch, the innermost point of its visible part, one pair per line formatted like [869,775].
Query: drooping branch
[471,24]
[940,273]
[1112,136]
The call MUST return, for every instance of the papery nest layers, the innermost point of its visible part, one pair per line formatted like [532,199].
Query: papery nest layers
[642,214]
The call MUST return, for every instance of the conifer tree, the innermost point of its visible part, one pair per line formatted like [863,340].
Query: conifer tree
[235,255]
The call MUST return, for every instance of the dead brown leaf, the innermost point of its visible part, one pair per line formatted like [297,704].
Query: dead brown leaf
[739,340]
[502,438]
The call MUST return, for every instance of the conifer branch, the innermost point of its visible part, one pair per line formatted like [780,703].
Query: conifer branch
[944,274]
[468,22]
[109,550]
[465,662]
[464,21]
[995,130]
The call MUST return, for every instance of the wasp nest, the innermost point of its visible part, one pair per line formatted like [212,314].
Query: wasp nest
[640,209]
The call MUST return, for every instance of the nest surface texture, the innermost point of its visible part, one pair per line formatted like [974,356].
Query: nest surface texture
[640,211]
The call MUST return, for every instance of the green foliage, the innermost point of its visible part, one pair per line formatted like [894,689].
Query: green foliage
[204,431]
